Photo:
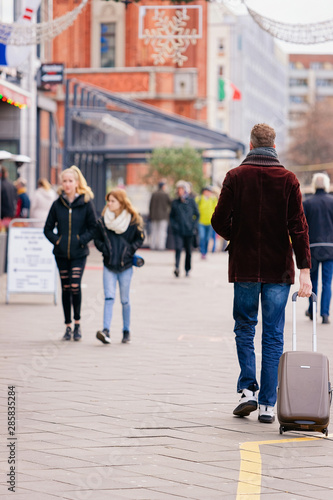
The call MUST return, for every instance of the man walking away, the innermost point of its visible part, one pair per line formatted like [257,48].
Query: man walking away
[318,211]
[159,209]
[260,213]
[183,221]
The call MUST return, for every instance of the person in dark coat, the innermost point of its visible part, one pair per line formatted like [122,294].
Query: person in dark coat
[260,213]
[74,216]
[8,196]
[318,211]
[184,218]
[118,234]
[159,209]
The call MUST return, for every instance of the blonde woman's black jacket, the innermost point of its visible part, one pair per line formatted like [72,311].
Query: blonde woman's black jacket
[118,249]
[75,223]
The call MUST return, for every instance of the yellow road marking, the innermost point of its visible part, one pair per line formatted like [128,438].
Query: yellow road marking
[249,480]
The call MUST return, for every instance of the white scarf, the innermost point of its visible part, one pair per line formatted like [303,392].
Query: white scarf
[117,224]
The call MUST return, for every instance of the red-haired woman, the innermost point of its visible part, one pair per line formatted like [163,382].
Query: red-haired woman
[119,233]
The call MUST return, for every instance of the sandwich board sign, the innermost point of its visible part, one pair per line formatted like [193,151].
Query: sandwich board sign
[31,266]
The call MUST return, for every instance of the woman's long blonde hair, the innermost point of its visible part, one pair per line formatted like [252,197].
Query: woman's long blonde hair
[125,204]
[83,187]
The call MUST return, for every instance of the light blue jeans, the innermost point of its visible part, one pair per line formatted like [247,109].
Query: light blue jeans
[110,283]
[246,303]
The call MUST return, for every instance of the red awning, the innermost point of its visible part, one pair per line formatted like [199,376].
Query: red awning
[13,93]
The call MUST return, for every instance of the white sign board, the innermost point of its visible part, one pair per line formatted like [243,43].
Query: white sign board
[31,266]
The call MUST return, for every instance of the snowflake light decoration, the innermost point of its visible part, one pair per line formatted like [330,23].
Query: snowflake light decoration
[170,37]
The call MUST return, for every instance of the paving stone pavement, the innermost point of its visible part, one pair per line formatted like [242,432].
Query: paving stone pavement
[153,419]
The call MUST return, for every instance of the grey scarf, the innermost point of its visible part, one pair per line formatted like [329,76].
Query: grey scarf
[263,151]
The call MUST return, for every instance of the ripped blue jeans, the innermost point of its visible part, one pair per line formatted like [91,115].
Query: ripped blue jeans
[110,279]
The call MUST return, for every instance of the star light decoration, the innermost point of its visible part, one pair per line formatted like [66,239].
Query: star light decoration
[170,38]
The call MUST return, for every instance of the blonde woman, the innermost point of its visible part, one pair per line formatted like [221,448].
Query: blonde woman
[74,216]
[119,233]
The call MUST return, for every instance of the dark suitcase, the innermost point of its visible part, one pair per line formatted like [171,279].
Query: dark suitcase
[304,390]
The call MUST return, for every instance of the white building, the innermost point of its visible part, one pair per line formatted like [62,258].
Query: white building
[310,81]
[241,53]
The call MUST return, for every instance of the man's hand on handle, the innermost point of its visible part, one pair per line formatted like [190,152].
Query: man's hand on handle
[305,285]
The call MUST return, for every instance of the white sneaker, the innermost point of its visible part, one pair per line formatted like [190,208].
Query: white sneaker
[248,403]
[104,336]
[266,414]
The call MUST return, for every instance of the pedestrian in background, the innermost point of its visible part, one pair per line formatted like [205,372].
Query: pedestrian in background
[319,215]
[23,200]
[74,216]
[42,200]
[118,234]
[8,196]
[184,216]
[159,209]
[206,203]
[260,213]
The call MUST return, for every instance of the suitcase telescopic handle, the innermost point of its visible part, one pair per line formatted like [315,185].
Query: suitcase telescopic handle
[314,316]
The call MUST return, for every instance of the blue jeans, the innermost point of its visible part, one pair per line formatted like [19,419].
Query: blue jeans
[110,283]
[326,279]
[246,303]
[205,233]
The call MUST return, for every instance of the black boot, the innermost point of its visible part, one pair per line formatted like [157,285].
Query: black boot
[126,337]
[77,332]
[68,333]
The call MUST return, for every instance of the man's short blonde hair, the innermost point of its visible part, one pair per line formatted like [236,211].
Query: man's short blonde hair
[262,136]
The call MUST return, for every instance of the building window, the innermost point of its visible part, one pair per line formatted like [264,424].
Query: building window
[296,65]
[220,46]
[323,82]
[298,99]
[298,82]
[108,45]
[316,65]
[296,116]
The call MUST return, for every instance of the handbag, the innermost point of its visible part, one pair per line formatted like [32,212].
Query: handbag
[138,261]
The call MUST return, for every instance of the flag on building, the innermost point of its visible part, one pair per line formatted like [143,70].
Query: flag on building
[227,91]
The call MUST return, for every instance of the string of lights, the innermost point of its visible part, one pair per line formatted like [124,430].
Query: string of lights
[12,102]
[35,33]
[32,34]
[306,34]
[295,33]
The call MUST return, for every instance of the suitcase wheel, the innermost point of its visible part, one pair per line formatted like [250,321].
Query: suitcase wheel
[325,431]
[281,429]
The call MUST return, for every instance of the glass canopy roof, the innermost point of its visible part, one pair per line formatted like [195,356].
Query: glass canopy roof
[101,122]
